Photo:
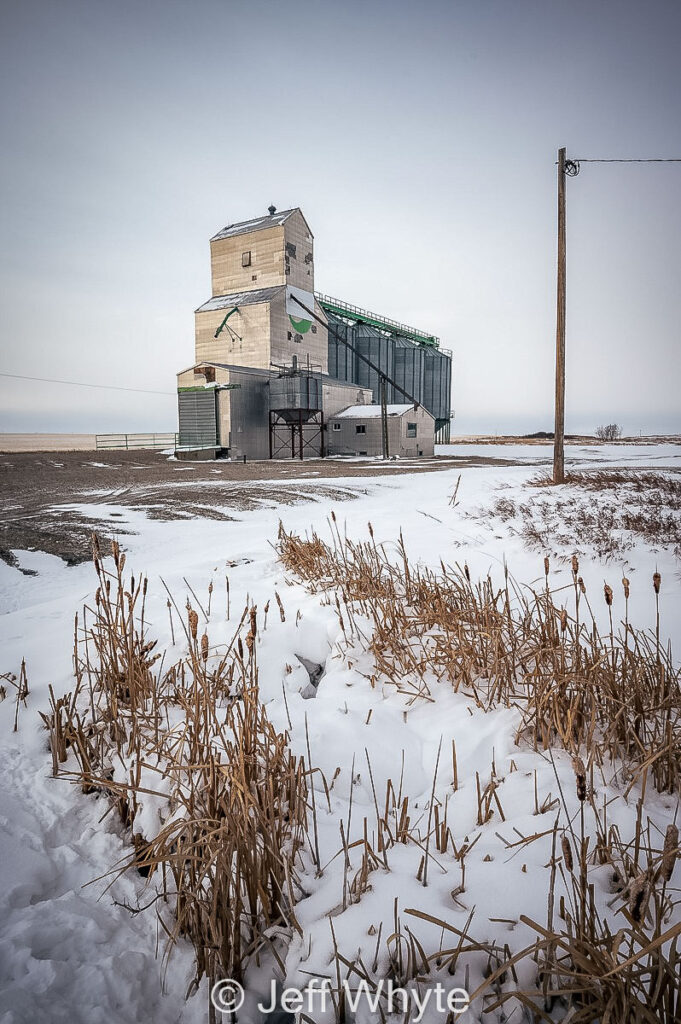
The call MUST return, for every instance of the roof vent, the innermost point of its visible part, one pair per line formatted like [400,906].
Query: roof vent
[272,210]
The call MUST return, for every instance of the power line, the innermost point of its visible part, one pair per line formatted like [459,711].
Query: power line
[81,384]
[629,160]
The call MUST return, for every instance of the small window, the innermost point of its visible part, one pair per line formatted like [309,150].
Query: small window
[336,426]
[362,453]
[246,259]
[360,428]
[411,430]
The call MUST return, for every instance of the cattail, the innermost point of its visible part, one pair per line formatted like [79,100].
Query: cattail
[563,620]
[204,646]
[670,851]
[575,565]
[580,582]
[252,632]
[625,587]
[657,579]
[639,894]
[567,853]
[580,773]
[607,590]
[193,623]
[371,531]
[546,565]
[282,616]
[467,572]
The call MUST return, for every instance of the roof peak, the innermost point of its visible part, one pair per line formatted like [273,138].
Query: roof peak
[267,220]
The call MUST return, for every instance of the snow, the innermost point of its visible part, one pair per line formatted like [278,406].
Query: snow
[355,412]
[70,951]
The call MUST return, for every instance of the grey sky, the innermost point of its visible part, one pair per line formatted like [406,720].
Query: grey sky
[419,139]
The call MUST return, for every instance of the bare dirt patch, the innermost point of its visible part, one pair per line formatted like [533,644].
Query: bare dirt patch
[44,496]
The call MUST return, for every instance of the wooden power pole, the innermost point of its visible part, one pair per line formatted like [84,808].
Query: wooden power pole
[559,430]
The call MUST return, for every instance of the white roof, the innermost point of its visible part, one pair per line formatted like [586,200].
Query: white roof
[365,412]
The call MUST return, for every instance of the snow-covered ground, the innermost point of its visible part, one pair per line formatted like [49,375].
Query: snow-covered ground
[71,951]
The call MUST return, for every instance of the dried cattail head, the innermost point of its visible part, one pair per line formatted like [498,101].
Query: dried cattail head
[204,646]
[580,583]
[210,587]
[580,774]
[115,550]
[333,515]
[670,851]
[467,572]
[546,565]
[575,565]
[371,531]
[639,894]
[193,623]
[625,586]
[253,629]
[563,620]
[657,579]
[567,853]
[607,590]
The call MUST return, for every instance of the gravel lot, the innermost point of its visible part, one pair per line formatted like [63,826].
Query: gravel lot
[37,490]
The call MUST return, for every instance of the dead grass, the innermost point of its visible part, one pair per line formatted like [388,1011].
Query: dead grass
[194,742]
[631,506]
[219,810]
[616,697]
[619,695]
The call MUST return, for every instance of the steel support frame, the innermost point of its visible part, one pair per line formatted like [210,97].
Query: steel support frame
[302,435]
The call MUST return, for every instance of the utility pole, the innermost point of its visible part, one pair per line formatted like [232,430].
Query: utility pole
[384,419]
[559,430]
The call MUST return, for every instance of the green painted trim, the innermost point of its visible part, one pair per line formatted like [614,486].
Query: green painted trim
[384,325]
[210,387]
[235,309]
[302,326]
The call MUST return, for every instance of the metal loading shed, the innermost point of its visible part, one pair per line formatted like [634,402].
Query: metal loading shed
[358,431]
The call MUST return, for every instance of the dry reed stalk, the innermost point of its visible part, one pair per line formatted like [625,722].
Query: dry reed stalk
[236,798]
[505,649]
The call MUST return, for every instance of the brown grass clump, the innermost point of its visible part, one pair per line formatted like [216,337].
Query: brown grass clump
[214,798]
[633,505]
[617,697]
[617,694]
[219,809]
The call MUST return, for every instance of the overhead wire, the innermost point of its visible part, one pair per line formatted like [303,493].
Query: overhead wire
[83,384]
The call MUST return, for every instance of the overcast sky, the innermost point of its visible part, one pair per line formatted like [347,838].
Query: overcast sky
[419,140]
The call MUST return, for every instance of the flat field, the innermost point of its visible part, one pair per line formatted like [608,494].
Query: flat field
[392,625]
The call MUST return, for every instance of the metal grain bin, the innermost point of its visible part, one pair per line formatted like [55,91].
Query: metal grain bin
[292,394]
